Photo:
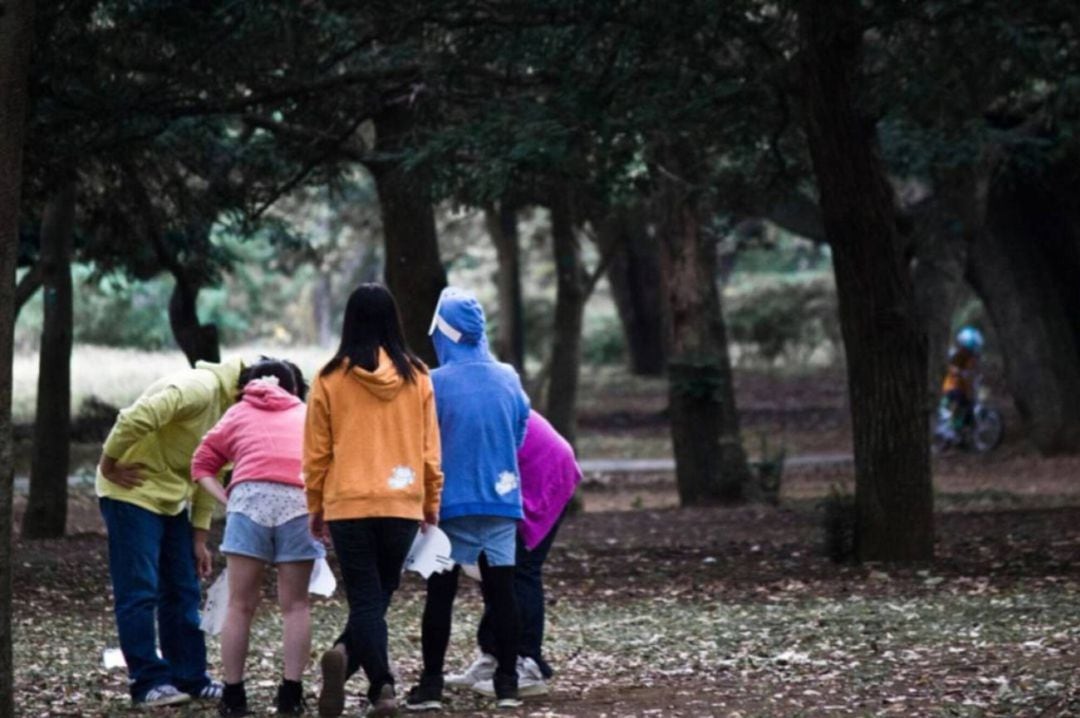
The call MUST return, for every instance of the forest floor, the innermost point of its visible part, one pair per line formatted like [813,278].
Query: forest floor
[657,611]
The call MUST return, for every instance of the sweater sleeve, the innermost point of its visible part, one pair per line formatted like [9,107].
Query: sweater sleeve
[143,418]
[318,446]
[215,449]
[202,508]
[523,416]
[433,475]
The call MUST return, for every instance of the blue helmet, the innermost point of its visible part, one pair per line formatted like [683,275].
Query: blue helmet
[971,339]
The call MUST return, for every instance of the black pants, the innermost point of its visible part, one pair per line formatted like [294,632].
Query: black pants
[498,588]
[529,595]
[371,552]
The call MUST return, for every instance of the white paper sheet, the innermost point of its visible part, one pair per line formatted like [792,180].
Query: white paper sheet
[430,553]
[217,603]
[322,582]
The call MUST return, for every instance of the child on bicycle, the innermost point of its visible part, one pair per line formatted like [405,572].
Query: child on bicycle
[961,381]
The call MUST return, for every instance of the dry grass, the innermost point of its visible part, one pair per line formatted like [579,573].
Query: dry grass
[116,376]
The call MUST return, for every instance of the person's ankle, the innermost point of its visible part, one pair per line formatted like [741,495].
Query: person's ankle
[234,695]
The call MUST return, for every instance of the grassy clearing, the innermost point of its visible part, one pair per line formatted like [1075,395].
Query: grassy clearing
[117,376]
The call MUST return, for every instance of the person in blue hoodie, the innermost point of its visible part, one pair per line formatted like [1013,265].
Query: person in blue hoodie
[482,411]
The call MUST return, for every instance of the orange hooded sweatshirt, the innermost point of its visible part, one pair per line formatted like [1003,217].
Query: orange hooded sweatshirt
[371,445]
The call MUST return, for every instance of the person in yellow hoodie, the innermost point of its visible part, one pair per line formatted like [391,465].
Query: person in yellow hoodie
[155,557]
[372,475]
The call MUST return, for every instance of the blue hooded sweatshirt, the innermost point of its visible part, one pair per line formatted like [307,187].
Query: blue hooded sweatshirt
[482,412]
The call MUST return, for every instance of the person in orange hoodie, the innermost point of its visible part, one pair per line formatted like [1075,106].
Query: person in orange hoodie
[372,474]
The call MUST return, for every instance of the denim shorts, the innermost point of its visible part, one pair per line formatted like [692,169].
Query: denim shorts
[495,536]
[291,541]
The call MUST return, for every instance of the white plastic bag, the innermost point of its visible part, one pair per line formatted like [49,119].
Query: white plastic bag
[322,581]
[217,603]
[430,553]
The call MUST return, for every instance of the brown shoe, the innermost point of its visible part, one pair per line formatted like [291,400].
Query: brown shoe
[385,705]
[332,696]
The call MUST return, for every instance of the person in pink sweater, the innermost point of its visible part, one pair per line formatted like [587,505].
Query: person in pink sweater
[549,475]
[266,522]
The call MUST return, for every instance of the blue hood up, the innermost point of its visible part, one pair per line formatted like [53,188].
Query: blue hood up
[458,328]
[482,410]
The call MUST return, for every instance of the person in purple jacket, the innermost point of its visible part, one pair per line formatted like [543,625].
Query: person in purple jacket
[549,475]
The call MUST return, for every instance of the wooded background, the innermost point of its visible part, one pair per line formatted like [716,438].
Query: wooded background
[931,146]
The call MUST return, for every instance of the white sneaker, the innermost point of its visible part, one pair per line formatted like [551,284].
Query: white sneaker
[530,680]
[163,695]
[482,669]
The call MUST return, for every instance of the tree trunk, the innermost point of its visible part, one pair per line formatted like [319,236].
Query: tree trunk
[569,316]
[414,270]
[710,462]
[885,346]
[1030,291]
[502,225]
[322,303]
[16,37]
[638,288]
[199,342]
[46,510]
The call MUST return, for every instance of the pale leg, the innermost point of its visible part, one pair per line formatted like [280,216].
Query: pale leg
[293,581]
[245,585]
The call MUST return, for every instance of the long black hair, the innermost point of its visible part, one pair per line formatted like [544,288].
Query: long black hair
[289,376]
[372,322]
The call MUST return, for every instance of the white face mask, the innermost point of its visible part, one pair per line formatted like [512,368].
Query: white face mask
[437,322]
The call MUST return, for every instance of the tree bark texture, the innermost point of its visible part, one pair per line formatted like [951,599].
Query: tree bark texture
[502,225]
[885,346]
[710,462]
[46,509]
[570,299]
[16,36]
[414,270]
[639,288]
[198,341]
[1024,267]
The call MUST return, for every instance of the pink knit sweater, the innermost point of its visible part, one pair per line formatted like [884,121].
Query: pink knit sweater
[262,435]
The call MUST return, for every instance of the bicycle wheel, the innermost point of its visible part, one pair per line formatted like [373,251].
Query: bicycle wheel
[988,430]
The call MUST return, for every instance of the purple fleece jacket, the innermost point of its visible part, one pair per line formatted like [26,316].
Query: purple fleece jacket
[549,474]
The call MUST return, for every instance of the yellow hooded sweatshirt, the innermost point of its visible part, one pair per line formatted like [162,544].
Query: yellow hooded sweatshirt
[371,444]
[161,430]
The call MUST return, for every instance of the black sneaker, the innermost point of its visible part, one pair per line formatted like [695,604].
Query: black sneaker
[233,700]
[290,699]
[426,695]
[506,691]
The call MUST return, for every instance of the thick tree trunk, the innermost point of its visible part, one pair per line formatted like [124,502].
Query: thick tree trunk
[943,237]
[639,289]
[46,510]
[414,270]
[885,346]
[710,462]
[1022,269]
[569,316]
[502,225]
[16,37]
[198,341]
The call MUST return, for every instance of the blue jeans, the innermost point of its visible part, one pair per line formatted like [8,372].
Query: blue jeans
[152,565]
[529,591]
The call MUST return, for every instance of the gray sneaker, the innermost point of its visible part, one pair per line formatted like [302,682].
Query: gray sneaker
[385,705]
[332,696]
[482,669]
[163,695]
[530,681]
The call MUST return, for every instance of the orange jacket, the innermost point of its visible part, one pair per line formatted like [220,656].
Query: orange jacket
[371,445]
[963,366]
